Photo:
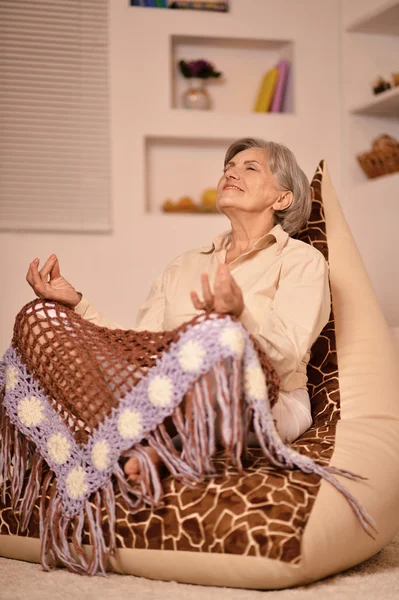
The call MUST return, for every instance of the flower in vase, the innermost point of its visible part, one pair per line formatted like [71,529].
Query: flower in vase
[201,69]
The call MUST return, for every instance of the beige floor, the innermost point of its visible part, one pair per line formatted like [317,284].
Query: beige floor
[376,579]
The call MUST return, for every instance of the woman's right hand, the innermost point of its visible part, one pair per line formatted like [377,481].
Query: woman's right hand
[48,283]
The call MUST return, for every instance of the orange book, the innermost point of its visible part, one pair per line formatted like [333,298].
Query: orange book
[266,91]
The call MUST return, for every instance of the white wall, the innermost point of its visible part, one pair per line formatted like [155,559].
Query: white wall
[371,206]
[116,270]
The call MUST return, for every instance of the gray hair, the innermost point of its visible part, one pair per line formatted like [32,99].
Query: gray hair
[289,177]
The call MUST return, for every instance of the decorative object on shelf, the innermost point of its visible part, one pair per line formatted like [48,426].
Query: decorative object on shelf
[187,205]
[196,95]
[209,198]
[383,158]
[184,204]
[200,69]
[215,6]
[271,93]
[395,79]
[380,85]
[150,3]
[197,72]
[385,142]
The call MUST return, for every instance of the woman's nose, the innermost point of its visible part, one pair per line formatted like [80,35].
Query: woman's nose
[231,173]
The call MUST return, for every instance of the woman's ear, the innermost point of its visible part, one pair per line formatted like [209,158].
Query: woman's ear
[284,201]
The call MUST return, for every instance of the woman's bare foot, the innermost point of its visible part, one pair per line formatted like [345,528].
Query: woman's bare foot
[132,466]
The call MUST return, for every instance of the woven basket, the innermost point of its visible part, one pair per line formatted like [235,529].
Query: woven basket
[379,162]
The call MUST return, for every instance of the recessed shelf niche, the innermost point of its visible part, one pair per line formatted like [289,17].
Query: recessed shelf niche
[178,167]
[243,63]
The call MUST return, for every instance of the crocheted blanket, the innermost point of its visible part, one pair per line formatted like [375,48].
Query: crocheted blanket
[78,400]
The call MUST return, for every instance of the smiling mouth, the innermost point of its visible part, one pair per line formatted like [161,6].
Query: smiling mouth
[232,187]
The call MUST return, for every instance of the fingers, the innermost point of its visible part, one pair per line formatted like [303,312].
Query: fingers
[224,280]
[224,272]
[55,270]
[206,290]
[29,278]
[208,302]
[196,301]
[47,267]
[36,281]
[228,294]
[227,297]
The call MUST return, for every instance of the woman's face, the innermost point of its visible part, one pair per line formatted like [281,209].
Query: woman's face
[247,184]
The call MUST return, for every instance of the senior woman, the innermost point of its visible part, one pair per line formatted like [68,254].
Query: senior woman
[275,285]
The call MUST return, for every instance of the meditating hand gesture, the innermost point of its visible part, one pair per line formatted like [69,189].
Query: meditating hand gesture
[49,284]
[227,297]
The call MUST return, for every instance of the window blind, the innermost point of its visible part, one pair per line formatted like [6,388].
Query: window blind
[54,115]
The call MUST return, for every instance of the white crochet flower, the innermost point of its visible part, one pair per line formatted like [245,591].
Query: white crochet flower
[129,423]
[160,390]
[255,382]
[76,483]
[59,448]
[191,356]
[233,339]
[11,377]
[31,411]
[100,455]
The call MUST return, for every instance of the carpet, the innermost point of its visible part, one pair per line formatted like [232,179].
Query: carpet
[375,579]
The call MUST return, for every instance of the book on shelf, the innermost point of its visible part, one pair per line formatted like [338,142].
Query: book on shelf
[216,5]
[150,3]
[266,91]
[281,86]
[272,91]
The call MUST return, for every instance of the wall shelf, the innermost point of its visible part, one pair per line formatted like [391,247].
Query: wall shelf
[367,189]
[385,104]
[243,62]
[384,21]
[198,124]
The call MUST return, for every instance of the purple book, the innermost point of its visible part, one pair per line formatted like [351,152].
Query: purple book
[278,98]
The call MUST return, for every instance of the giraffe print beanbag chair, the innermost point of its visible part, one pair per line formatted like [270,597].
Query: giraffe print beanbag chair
[267,528]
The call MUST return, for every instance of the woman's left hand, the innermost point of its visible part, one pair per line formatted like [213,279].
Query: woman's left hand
[227,297]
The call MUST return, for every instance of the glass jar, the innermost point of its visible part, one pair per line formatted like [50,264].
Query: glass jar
[196,95]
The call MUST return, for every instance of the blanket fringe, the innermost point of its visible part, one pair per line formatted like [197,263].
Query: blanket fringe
[285,457]
[62,537]
[214,415]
